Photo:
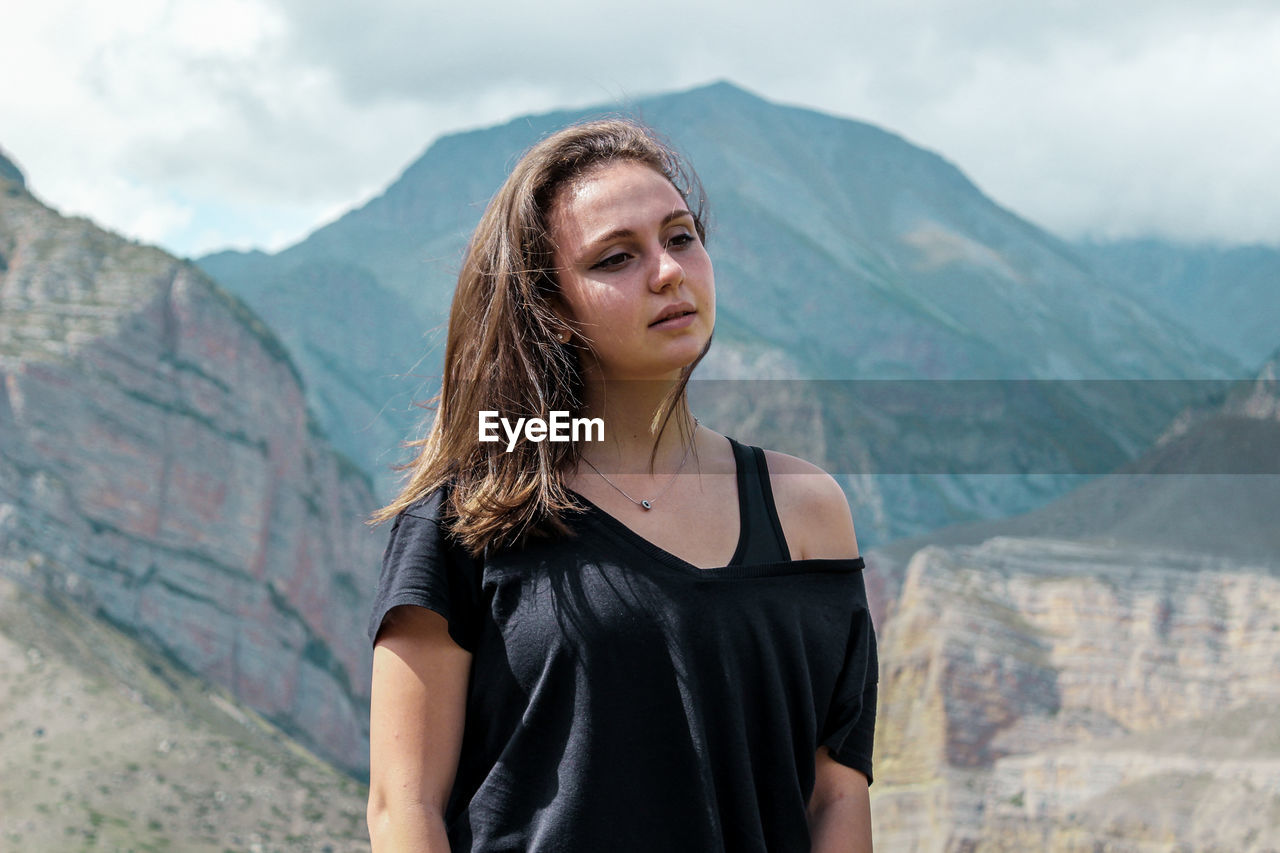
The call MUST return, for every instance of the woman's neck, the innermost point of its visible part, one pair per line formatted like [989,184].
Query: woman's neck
[627,408]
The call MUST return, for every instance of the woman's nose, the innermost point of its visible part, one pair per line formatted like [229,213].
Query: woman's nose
[669,272]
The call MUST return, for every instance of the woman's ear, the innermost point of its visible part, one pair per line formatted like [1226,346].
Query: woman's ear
[565,330]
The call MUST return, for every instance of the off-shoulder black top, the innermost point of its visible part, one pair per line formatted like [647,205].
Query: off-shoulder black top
[623,699]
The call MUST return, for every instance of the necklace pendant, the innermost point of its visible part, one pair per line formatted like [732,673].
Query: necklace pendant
[646,505]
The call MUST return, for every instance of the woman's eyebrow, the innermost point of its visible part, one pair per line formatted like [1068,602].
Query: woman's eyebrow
[617,233]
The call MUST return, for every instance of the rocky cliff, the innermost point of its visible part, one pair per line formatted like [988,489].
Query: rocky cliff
[158,466]
[1112,690]
[1029,683]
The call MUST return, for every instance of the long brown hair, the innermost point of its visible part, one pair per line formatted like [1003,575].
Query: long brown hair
[503,352]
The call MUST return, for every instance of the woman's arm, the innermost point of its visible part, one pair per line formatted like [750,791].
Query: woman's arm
[415,730]
[840,808]
[817,522]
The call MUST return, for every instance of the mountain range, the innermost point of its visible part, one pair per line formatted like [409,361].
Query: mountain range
[842,252]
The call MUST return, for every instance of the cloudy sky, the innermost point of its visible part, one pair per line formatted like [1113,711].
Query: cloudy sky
[198,125]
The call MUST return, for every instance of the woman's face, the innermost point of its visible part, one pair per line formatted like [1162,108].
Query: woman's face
[635,281]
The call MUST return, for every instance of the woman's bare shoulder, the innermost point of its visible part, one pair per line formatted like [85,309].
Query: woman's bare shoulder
[812,507]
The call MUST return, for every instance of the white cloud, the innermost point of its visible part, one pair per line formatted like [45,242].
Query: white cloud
[144,212]
[1170,136]
[249,121]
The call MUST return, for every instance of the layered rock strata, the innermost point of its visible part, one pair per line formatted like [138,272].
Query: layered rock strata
[1029,684]
[158,465]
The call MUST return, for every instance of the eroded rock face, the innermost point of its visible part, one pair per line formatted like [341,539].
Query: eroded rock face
[157,463]
[1028,682]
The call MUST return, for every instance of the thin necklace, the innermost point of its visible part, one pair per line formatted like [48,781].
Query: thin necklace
[643,504]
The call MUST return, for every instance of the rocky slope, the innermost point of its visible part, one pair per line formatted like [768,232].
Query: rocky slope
[1226,295]
[158,467]
[108,745]
[1209,485]
[10,172]
[1209,784]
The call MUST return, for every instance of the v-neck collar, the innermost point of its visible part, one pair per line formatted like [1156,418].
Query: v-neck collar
[625,534]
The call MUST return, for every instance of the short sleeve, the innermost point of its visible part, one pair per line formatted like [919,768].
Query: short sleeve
[851,721]
[424,566]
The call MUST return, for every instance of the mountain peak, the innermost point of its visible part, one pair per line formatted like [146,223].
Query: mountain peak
[720,89]
[10,172]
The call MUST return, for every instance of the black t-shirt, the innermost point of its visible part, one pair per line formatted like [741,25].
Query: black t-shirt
[623,699]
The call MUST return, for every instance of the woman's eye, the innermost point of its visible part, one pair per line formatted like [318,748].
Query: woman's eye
[611,261]
[682,240]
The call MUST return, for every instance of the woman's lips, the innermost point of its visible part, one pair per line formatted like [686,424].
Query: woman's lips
[678,322]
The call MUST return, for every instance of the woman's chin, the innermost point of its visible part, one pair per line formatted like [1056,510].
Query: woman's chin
[665,374]
[666,369]
[672,368]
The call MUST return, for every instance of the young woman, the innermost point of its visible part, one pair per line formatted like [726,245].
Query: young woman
[655,640]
